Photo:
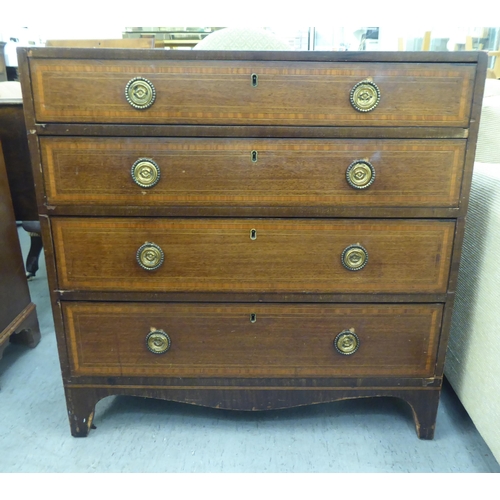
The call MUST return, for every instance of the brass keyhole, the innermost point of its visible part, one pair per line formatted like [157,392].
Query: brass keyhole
[253,318]
[254,156]
[253,234]
[255,80]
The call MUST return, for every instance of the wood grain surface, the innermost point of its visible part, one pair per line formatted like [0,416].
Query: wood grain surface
[220,341]
[220,92]
[18,318]
[14,291]
[205,121]
[288,255]
[207,172]
[17,161]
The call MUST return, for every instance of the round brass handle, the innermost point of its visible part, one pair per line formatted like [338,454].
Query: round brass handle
[346,342]
[360,174]
[354,257]
[140,93]
[145,173]
[150,256]
[365,96]
[158,342]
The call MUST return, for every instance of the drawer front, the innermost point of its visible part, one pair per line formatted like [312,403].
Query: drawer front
[231,172]
[272,255]
[252,340]
[226,92]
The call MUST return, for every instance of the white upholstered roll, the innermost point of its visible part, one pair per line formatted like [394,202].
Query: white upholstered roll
[488,141]
[473,361]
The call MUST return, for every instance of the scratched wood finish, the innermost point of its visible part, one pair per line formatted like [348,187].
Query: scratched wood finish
[81,400]
[288,255]
[220,341]
[221,92]
[248,131]
[203,172]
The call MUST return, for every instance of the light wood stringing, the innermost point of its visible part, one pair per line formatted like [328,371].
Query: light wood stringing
[208,340]
[288,255]
[204,172]
[220,92]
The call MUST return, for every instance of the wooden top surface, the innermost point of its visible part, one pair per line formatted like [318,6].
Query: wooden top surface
[325,56]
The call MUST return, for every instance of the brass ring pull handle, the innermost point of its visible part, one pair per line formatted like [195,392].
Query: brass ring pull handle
[140,93]
[360,174]
[158,342]
[150,256]
[365,96]
[354,257]
[145,173]
[346,342]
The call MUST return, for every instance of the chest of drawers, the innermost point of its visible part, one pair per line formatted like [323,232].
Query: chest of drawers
[252,230]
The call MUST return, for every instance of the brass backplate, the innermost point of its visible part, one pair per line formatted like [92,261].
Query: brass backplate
[354,257]
[360,174]
[365,96]
[150,256]
[140,93]
[158,341]
[145,173]
[346,342]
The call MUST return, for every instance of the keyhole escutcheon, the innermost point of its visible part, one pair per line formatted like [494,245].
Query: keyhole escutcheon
[253,234]
[254,155]
[255,79]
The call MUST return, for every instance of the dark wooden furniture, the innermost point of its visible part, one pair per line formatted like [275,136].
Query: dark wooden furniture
[17,159]
[252,230]
[18,319]
[13,136]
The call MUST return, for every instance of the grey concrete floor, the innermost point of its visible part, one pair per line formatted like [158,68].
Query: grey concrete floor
[140,435]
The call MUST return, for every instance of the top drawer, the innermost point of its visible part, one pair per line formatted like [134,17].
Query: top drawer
[252,92]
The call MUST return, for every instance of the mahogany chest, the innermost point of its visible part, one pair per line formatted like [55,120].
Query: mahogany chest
[252,230]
